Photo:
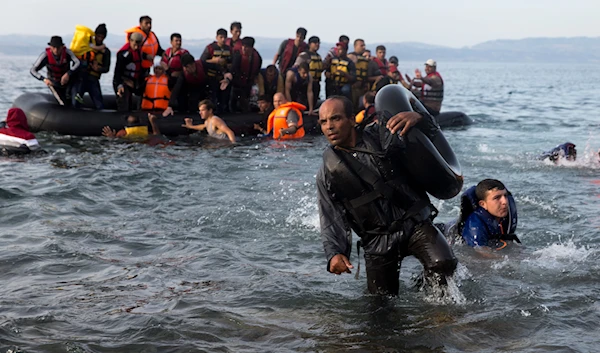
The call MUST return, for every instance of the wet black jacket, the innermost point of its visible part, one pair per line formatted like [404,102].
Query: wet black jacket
[335,219]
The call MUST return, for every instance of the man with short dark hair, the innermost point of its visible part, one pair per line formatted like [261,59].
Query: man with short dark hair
[192,86]
[150,44]
[315,65]
[298,86]
[235,42]
[270,81]
[290,49]
[171,59]
[367,72]
[330,85]
[99,63]
[61,64]
[365,188]
[218,53]
[245,68]
[491,223]
[341,71]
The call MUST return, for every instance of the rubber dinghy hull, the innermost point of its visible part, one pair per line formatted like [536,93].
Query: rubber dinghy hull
[453,119]
[45,114]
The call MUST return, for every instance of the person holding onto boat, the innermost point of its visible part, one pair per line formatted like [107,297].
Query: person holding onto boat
[363,186]
[134,128]
[315,65]
[299,86]
[341,71]
[565,151]
[285,122]
[430,87]
[218,53]
[61,64]
[290,49]
[157,93]
[265,108]
[15,136]
[171,59]
[245,68]
[150,44]
[97,62]
[129,78]
[488,217]
[235,42]
[214,126]
[269,82]
[192,86]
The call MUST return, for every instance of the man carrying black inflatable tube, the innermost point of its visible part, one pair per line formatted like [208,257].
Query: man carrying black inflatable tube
[362,186]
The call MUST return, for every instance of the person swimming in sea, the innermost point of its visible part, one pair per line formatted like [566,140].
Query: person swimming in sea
[565,151]
[136,130]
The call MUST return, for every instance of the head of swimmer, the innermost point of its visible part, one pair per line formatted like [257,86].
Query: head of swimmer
[336,118]
[493,197]
[132,120]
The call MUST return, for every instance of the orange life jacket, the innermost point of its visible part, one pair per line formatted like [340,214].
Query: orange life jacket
[278,120]
[149,45]
[157,93]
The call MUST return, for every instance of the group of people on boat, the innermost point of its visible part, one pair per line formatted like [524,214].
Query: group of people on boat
[225,73]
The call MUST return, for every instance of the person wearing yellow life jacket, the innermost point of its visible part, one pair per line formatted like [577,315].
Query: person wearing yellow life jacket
[341,71]
[286,120]
[315,65]
[171,59]
[329,83]
[157,93]
[95,62]
[150,44]
[218,53]
[235,42]
[298,86]
[128,78]
[431,87]
[290,49]
[134,129]
[61,64]
[367,72]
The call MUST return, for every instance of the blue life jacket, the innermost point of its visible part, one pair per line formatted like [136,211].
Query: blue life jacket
[485,225]
[567,150]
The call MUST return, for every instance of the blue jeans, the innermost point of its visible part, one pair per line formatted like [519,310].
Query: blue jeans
[91,85]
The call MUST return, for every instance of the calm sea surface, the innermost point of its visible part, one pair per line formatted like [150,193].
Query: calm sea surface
[114,247]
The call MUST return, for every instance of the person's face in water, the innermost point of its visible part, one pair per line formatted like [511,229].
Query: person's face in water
[335,125]
[496,203]
[132,120]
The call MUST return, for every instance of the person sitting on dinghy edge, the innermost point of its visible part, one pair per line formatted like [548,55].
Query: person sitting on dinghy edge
[488,217]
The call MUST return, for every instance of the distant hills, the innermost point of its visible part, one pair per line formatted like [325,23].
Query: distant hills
[573,50]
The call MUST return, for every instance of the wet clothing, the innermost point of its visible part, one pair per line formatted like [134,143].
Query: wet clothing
[392,222]
[482,229]
[299,89]
[566,150]
[213,132]
[269,88]
[16,133]
[285,115]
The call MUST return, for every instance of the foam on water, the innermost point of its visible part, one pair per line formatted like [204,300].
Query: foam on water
[561,255]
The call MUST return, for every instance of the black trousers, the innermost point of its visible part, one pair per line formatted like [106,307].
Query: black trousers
[384,254]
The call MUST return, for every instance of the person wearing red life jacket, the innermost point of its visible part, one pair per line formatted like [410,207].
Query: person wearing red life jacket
[150,44]
[192,86]
[171,59]
[245,68]
[218,53]
[15,134]
[128,78]
[235,42]
[61,64]
[290,49]
[430,88]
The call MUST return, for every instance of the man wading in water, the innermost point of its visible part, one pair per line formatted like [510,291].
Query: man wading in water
[360,187]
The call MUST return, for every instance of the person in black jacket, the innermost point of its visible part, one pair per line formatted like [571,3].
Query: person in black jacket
[361,186]
[245,68]
[129,75]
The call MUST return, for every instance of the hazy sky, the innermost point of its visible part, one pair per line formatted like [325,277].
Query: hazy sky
[441,22]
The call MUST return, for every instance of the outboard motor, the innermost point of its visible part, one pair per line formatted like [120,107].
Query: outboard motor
[428,158]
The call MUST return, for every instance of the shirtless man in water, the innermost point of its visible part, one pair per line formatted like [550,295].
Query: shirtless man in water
[214,125]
